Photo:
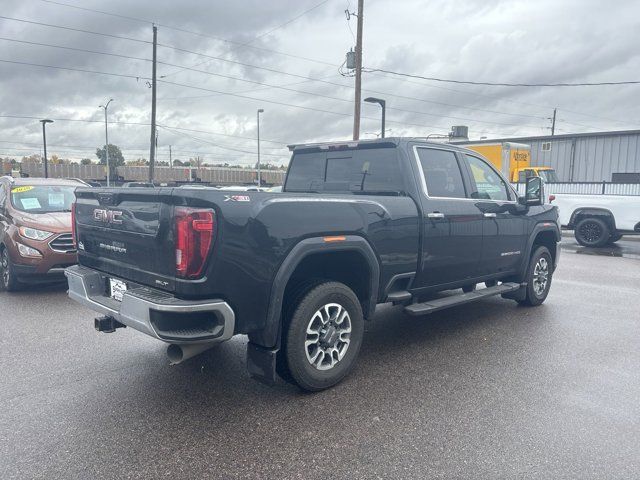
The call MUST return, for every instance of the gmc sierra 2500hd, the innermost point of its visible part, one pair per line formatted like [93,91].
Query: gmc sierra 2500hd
[358,223]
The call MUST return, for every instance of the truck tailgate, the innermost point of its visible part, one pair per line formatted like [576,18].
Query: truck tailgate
[127,233]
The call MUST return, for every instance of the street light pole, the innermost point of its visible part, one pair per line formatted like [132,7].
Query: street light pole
[260,110]
[383,104]
[106,138]
[44,140]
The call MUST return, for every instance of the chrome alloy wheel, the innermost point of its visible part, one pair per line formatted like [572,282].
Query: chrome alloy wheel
[328,336]
[540,276]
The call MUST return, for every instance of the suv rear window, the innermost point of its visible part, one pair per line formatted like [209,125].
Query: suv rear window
[371,170]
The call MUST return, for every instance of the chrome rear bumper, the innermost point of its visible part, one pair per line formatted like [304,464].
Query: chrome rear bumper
[154,312]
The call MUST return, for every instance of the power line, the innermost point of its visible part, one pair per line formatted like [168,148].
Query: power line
[504,84]
[119,37]
[258,36]
[184,30]
[209,90]
[75,49]
[250,66]
[115,122]
[215,144]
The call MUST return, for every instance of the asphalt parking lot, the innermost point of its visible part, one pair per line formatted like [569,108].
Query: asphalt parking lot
[489,390]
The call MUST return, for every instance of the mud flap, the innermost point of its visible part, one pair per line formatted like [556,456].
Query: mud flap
[517,295]
[261,363]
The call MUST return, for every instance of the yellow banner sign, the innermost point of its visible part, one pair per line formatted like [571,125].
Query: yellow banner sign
[21,189]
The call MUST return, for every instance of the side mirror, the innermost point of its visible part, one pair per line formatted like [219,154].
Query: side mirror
[534,192]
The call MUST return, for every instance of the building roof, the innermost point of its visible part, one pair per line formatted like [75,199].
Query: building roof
[553,137]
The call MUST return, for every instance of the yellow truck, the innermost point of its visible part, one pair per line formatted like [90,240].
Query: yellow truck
[513,160]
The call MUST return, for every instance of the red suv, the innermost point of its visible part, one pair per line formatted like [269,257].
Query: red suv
[36,244]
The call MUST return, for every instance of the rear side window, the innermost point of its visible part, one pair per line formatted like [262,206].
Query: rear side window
[306,172]
[374,170]
[442,174]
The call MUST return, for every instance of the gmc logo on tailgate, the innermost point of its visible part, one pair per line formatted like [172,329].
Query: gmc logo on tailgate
[107,216]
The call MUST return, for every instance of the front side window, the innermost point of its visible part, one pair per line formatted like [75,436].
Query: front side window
[442,174]
[488,184]
[42,199]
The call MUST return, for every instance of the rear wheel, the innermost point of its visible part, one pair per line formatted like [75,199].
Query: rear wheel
[8,280]
[469,288]
[323,336]
[592,232]
[538,279]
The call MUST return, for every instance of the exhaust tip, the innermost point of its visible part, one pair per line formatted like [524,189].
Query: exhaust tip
[175,354]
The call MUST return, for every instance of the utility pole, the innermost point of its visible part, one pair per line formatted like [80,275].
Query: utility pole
[260,110]
[553,122]
[44,141]
[356,107]
[152,151]
[106,138]
[170,159]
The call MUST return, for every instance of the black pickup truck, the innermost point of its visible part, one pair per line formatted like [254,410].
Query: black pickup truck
[396,220]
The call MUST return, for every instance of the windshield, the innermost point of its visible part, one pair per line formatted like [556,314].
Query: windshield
[549,176]
[43,199]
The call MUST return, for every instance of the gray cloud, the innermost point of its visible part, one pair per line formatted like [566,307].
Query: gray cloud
[515,41]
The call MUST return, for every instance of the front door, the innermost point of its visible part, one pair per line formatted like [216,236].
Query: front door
[451,224]
[504,228]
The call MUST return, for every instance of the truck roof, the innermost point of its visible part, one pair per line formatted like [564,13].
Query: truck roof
[369,143]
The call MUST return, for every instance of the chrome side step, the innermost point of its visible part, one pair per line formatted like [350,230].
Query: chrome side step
[460,299]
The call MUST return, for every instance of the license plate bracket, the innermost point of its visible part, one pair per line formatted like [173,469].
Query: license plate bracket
[117,289]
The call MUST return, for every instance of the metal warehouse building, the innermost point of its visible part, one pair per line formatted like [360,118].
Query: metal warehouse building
[584,157]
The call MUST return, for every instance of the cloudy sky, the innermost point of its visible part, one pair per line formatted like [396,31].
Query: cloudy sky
[267,52]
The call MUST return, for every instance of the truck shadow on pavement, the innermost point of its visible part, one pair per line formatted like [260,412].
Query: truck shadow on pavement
[211,395]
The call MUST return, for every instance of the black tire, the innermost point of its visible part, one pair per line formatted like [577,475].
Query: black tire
[490,283]
[469,288]
[8,280]
[540,262]
[614,238]
[328,369]
[592,232]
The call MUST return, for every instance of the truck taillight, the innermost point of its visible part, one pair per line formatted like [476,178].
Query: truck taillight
[195,228]
[73,224]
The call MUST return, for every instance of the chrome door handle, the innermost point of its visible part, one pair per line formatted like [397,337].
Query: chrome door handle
[490,215]
[435,215]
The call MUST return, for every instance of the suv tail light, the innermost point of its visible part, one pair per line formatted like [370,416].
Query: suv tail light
[73,225]
[194,237]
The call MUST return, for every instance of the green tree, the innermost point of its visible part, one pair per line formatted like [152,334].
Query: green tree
[86,161]
[115,156]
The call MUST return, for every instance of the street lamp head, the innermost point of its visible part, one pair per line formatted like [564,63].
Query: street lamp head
[260,110]
[379,101]
[46,120]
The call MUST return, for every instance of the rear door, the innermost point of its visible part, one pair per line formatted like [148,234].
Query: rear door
[452,223]
[504,228]
[127,233]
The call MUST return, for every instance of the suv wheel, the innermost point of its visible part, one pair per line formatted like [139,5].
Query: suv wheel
[8,280]
[323,336]
[592,232]
[538,279]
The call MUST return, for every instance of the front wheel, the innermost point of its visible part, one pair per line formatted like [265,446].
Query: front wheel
[323,336]
[8,280]
[592,232]
[539,275]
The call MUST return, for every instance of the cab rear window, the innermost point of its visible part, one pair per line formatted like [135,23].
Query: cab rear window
[374,170]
